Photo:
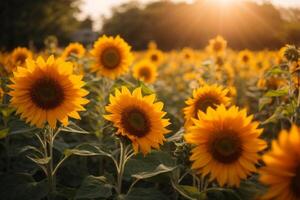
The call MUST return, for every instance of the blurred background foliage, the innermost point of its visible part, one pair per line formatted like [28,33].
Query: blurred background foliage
[172,25]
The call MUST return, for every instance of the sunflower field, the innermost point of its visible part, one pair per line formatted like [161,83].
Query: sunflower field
[107,122]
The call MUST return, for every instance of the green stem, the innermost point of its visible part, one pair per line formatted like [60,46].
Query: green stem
[121,166]
[50,174]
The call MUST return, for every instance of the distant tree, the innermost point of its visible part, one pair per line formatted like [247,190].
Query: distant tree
[22,21]
[87,23]
[175,25]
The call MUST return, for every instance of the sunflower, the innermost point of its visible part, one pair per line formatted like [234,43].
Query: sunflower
[138,118]
[18,57]
[155,56]
[226,144]
[112,56]
[145,71]
[152,45]
[245,57]
[282,170]
[73,49]
[217,45]
[187,54]
[204,97]
[47,91]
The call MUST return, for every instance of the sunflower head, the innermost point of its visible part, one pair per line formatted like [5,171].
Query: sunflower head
[112,56]
[187,54]
[19,56]
[217,45]
[139,118]
[76,49]
[203,98]
[282,166]
[155,56]
[245,57]
[145,71]
[47,92]
[226,144]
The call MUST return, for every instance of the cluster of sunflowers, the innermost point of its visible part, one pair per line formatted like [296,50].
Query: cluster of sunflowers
[221,132]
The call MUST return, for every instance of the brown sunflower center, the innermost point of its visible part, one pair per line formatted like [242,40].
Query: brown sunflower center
[217,46]
[135,121]
[295,183]
[20,58]
[154,57]
[111,58]
[145,73]
[245,58]
[219,61]
[47,93]
[226,147]
[205,102]
[187,56]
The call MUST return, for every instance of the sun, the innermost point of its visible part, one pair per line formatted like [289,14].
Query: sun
[224,2]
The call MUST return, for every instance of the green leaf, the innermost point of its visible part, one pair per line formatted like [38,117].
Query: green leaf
[263,102]
[40,161]
[277,93]
[222,193]
[275,117]
[188,192]
[73,128]
[141,164]
[158,170]
[7,111]
[86,150]
[145,194]
[60,145]
[276,71]
[4,133]
[250,189]
[32,149]
[21,187]
[145,89]
[94,187]
[22,130]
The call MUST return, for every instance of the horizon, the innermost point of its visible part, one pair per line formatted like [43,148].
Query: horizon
[98,8]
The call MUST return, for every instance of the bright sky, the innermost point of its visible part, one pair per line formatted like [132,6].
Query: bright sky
[98,8]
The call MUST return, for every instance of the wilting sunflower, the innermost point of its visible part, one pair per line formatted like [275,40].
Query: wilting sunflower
[282,170]
[204,97]
[217,45]
[155,56]
[47,92]
[18,57]
[75,49]
[145,71]
[226,144]
[138,118]
[112,56]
